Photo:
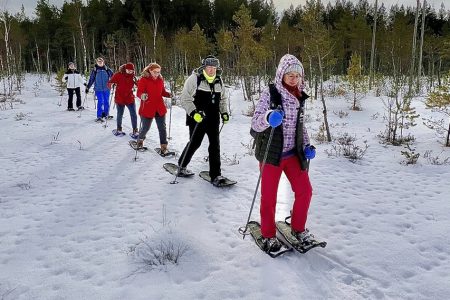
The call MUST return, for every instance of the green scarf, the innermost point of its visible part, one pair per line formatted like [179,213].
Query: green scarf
[210,79]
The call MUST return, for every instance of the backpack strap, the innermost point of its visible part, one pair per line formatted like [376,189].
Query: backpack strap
[275,97]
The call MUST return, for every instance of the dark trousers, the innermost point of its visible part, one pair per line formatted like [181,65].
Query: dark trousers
[212,131]
[77,93]
[132,109]
[160,122]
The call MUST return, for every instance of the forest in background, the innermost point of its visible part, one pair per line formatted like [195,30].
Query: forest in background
[365,44]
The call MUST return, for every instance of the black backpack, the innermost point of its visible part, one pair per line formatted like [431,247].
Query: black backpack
[275,103]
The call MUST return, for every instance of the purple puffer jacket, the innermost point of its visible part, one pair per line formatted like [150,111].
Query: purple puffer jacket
[290,107]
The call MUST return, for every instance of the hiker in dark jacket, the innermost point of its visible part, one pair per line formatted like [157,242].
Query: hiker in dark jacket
[205,102]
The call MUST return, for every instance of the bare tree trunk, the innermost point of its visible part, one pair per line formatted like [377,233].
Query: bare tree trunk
[439,71]
[83,43]
[372,53]
[322,98]
[448,136]
[34,62]
[422,33]
[413,50]
[155,20]
[74,49]
[38,59]
[93,47]
[7,25]
[48,61]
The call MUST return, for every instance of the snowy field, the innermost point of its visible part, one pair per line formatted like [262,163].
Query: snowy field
[78,214]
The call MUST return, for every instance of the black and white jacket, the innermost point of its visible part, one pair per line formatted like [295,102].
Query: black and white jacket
[73,79]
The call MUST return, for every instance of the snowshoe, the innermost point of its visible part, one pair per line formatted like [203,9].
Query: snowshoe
[99,120]
[272,246]
[174,170]
[219,181]
[300,241]
[166,153]
[134,135]
[135,146]
[80,108]
[109,117]
[118,132]
[70,109]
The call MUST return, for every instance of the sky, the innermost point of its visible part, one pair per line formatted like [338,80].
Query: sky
[13,6]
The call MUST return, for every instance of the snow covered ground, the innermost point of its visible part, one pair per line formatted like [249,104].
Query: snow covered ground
[78,214]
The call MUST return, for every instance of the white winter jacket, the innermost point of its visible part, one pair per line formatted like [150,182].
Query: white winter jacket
[73,79]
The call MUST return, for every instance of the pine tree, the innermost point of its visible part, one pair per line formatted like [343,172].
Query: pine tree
[356,81]
[439,101]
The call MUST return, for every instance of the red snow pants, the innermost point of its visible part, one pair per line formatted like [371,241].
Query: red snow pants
[301,187]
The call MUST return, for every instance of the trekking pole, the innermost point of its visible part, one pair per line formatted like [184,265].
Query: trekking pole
[84,100]
[111,95]
[241,230]
[187,149]
[170,119]
[95,104]
[136,154]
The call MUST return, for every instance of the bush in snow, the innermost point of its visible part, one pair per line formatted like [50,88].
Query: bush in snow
[21,116]
[250,147]
[162,249]
[411,157]
[345,146]
[341,114]
[151,253]
[439,101]
[400,114]
[436,160]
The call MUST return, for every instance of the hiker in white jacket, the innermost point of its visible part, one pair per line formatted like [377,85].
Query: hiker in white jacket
[74,80]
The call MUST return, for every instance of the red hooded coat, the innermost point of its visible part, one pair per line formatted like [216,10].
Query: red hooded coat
[124,85]
[155,91]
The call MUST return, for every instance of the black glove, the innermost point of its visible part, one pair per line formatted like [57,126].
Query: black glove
[85,84]
[87,91]
[65,78]
[225,117]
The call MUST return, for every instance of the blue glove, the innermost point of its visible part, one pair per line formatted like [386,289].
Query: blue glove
[310,151]
[275,118]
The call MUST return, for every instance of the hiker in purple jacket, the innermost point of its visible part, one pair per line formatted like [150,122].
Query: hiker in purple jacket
[288,152]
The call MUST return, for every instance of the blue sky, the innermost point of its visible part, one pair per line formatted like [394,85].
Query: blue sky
[13,6]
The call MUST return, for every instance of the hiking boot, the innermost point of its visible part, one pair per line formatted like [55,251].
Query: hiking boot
[118,132]
[271,244]
[183,172]
[304,237]
[135,133]
[70,109]
[218,181]
[80,108]
[164,149]
[139,144]
[99,120]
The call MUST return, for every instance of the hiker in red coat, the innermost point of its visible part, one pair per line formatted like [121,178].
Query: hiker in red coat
[151,92]
[124,82]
